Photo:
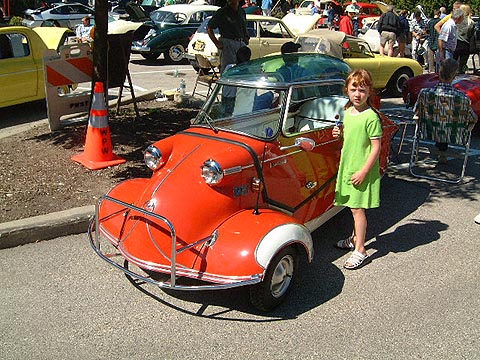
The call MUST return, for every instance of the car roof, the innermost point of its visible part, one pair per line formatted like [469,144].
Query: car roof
[263,72]
[187,8]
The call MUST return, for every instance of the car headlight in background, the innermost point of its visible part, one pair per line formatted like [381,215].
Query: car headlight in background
[212,172]
[152,157]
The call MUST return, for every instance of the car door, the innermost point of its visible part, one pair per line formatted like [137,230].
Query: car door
[299,179]
[271,35]
[19,73]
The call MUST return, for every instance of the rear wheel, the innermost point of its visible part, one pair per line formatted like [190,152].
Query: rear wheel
[278,280]
[175,53]
[397,81]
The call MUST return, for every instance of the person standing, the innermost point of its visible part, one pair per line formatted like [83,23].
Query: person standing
[404,33]
[447,40]
[444,19]
[330,17]
[346,22]
[267,7]
[444,101]
[388,27]
[419,31]
[358,178]
[231,22]
[432,42]
[465,35]
[443,12]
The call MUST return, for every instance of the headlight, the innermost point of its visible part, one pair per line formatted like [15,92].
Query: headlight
[152,157]
[212,172]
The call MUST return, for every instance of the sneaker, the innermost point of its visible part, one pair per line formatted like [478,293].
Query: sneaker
[477,219]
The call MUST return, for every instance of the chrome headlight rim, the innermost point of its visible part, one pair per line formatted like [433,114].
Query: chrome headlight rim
[212,172]
[152,157]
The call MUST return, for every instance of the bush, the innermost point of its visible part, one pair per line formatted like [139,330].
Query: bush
[15,20]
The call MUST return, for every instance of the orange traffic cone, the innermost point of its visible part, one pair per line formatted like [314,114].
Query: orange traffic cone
[98,153]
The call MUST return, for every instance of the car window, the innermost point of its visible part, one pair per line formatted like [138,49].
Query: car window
[198,17]
[273,29]
[309,44]
[13,46]
[252,27]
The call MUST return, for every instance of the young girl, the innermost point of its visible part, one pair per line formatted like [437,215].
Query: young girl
[358,179]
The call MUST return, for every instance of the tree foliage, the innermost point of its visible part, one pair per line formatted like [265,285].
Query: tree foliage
[430,6]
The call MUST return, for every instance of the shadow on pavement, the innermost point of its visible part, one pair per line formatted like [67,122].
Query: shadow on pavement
[23,113]
[322,280]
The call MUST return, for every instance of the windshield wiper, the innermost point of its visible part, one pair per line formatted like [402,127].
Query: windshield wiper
[209,120]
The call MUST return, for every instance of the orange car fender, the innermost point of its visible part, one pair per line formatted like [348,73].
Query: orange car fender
[266,233]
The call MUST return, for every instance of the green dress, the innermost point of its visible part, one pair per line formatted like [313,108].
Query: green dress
[358,130]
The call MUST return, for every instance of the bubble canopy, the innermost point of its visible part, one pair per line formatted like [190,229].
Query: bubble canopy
[283,71]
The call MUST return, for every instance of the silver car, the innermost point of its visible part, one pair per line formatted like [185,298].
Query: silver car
[63,15]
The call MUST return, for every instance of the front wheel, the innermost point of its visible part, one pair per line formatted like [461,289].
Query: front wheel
[175,53]
[397,81]
[278,280]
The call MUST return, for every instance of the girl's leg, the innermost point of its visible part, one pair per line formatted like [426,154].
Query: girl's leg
[360,225]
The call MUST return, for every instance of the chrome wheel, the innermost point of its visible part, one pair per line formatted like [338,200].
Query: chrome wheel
[282,276]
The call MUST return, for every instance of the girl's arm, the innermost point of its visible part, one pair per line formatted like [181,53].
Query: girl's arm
[360,175]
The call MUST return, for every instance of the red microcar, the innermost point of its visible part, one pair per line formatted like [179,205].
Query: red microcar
[233,200]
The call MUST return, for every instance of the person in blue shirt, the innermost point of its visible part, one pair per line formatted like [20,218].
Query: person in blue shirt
[267,7]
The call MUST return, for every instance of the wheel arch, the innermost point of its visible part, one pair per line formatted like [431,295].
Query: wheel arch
[282,236]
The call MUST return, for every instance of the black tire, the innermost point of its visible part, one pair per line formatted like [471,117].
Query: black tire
[174,54]
[150,56]
[397,81]
[278,279]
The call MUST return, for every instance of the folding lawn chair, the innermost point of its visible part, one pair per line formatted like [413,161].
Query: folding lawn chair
[206,76]
[452,129]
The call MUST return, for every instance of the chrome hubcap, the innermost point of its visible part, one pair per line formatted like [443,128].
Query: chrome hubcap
[282,276]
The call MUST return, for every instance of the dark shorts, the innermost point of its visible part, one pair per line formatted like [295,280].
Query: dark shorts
[402,38]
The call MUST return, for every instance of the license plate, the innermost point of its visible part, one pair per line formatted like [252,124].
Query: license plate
[199,46]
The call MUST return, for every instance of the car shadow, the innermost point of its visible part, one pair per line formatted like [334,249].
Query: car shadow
[324,278]
[157,62]
[23,113]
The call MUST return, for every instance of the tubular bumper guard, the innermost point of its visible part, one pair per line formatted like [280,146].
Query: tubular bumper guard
[94,227]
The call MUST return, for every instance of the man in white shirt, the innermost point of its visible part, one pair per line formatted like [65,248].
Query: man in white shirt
[447,40]
[83,31]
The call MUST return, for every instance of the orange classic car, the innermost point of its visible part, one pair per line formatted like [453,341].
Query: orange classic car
[233,200]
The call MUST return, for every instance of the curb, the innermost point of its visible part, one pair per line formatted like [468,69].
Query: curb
[45,227]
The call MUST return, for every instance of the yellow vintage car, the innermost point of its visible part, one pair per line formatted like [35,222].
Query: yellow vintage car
[21,61]
[389,73]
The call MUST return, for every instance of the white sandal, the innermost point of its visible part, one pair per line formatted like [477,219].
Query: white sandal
[356,260]
[346,243]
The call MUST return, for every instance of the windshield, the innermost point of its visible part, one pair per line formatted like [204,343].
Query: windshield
[258,112]
[254,112]
[168,17]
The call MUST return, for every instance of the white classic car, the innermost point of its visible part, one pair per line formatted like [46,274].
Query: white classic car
[267,35]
